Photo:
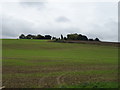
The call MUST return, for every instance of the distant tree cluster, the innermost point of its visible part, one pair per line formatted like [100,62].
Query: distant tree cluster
[29,36]
[80,37]
[69,37]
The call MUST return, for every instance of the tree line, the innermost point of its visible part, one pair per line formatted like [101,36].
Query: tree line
[69,37]
[29,36]
[80,37]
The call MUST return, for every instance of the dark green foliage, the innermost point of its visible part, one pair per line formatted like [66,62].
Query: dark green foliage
[82,37]
[91,40]
[22,36]
[65,38]
[34,37]
[47,37]
[72,36]
[40,37]
[56,39]
[53,38]
[69,37]
[61,36]
[77,37]
[96,39]
[29,36]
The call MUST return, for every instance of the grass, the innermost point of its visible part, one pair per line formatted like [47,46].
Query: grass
[39,63]
[92,85]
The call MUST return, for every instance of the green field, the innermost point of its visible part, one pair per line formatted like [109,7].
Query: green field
[43,64]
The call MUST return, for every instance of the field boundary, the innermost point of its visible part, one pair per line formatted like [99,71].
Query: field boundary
[116,44]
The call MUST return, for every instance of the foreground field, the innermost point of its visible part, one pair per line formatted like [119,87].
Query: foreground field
[43,64]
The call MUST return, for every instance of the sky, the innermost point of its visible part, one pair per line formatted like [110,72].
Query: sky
[90,18]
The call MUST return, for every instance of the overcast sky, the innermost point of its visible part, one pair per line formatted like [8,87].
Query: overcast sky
[93,19]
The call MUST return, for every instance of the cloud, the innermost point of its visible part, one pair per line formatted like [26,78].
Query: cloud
[35,4]
[62,19]
[91,19]
[106,32]
[12,27]
[38,5]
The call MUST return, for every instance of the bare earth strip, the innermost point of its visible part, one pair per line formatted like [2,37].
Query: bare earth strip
[60,80]
[117,44]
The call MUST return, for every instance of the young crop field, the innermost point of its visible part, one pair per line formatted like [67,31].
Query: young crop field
[43,64]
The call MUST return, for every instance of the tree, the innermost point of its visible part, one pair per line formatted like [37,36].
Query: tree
[61,37]
[34,37]
[91,40]
[47,37]
[77,37]
[40,37]
[56,39]
[96,39]
[53,38]
[84,38]
[72,36]
[65,38]
[22,36]
[29,36]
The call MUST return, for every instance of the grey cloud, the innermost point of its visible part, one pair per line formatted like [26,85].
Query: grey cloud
[108,31]
[64,31]
[59,23]
[12,27]
[32,3]
[38,5]
[62,19]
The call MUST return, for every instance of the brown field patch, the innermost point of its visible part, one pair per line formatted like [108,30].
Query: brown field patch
[116,44]
[58,68]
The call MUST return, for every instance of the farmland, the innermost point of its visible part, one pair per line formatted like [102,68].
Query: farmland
[43,64]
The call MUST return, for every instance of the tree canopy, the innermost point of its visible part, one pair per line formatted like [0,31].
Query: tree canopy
[69,37]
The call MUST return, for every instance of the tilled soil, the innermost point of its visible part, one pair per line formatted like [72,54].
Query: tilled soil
[47,78]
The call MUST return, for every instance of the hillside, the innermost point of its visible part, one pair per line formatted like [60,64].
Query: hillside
[39,63]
